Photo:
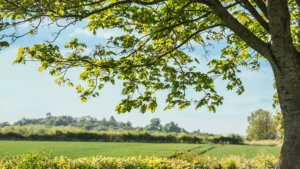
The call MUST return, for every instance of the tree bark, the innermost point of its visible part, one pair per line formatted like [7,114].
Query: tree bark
[288,88]
[285,61]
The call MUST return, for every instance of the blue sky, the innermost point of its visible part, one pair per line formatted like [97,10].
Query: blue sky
[24,92]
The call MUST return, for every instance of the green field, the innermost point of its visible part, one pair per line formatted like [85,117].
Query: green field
[85,149]
[226,150]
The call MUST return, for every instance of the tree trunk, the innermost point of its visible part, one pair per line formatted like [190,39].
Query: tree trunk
[288,88]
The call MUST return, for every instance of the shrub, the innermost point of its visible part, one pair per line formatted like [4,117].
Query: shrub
[41,160]
[230,163]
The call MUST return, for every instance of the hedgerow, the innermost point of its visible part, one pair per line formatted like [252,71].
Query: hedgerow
[39,133]
[45,160]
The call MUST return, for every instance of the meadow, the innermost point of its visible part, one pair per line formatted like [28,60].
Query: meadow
[109,149]
[250,151]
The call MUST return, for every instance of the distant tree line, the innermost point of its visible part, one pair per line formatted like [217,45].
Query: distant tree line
[91,123]
[87,128]
[262,125]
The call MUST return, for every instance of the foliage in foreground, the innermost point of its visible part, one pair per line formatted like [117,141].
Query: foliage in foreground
[47,160]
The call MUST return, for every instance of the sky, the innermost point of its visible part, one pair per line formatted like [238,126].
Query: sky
[24,92]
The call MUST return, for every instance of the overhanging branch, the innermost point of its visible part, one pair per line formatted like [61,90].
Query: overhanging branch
[256,15]
[234,25]
[262,6]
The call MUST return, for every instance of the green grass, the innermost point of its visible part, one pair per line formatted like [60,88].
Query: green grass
[248,150]
[85,149]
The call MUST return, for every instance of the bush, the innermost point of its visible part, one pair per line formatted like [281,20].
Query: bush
[35,160]
[41,133]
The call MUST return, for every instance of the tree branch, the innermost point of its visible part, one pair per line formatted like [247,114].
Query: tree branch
[262,6]
[256,15]
[234,25]
[298,3]
[281,37]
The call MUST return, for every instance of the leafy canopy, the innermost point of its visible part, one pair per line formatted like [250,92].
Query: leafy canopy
[261,126]
[152,54]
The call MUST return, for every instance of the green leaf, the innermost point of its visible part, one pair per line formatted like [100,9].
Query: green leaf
[70,84]
[4,44]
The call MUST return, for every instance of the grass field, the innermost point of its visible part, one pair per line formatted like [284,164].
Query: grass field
[85,149]
[248,150]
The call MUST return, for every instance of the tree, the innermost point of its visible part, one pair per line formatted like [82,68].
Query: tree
[60,122]
[48,114]
[171,127]
[261,125]
[152,54]
[88,126]
[128,125]
[154,125]
[4,124]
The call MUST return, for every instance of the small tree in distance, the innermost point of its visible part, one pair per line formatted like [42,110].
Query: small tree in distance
[261,126]
[154,125]
[172,128]
[48,114]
